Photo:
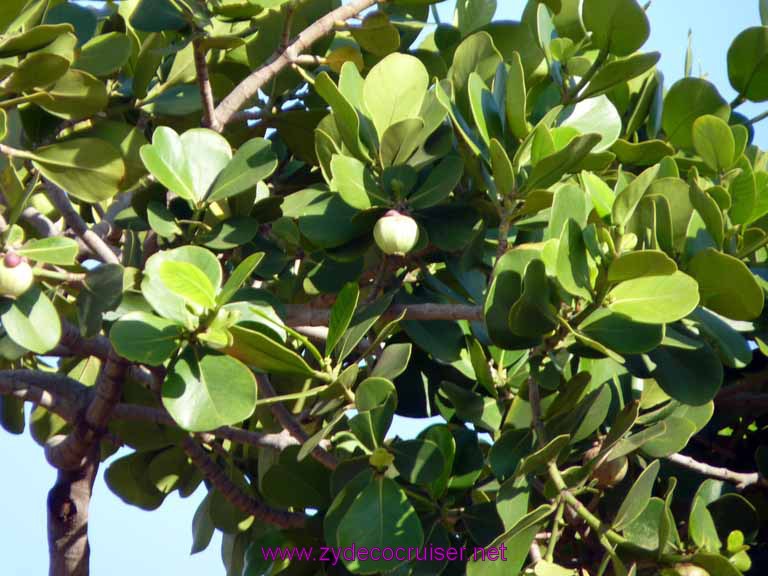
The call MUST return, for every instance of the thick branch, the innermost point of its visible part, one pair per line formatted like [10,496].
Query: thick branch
[740,479]
[59,199]
[248,88]
[288,422]
[235,495]
[300,315]
[98,346]
[66,398]
[71,452]
[68,503]
[204,83]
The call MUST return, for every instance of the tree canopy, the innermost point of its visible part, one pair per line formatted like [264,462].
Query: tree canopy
[240,236]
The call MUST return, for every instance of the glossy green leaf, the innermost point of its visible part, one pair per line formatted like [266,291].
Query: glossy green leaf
[740,298]
[104,54]
[747,62]
[618,26]
[393,361]
[594,115]
[439,184]
[619,71]
[239,277]
[714,142]
[253,162]
[627,200]
[31,321]
[572,265]
[515,98]
[354,182]
[655,299]
[418,461]
[341,315]
[637,497]
[687,100]
[188,282]
[381,516]
[394,90]
[204,393]
[641,263]
[621,334]
[88,169]
[262,352]
[188,164]
[550,169]
[60,251]
[145,338]
[75,95]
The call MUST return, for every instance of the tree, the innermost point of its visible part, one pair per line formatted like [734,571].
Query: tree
[516,226]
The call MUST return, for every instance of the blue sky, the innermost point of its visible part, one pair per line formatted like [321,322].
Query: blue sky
[125,540]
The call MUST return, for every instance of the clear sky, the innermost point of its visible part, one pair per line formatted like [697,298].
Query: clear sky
[126,541]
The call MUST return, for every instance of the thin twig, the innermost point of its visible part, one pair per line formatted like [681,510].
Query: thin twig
[302,315]
[204,83]
[74,221]
[288,422]
[283,58]
[740,479]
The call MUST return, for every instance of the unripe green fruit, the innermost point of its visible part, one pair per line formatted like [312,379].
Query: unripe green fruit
[16,276]
[396,233]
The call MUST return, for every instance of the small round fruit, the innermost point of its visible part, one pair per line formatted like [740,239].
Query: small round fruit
[608,473]
[15,276]
[396,233]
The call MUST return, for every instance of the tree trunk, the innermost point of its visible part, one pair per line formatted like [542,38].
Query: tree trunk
[68,503]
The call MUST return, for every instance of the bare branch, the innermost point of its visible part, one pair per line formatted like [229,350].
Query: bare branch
[71,452]
[288,422]
[59,199]
[248,88]
[204,83]
[740,479]
[235,495]
[98,346]
[301,315]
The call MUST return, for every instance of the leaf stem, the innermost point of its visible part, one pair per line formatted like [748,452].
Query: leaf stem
[555,536]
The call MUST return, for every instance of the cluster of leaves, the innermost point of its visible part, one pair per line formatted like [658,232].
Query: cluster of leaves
[610,230]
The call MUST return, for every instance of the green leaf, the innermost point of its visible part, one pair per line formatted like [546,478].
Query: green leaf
[655,299]
[88,169]
[748,62]
[31,321]
[743,193]
[740,298]
[572,266]
[474,14]
[393,361]
[354,181]
[627,200]
[476,53]
[731,346]
[377,34]
[231,233]
[394,90]
[418,461]
[253,162]
[157,16]
[75,95]
[145,338]
[677,433]
[346,117]
[440,182]
[691,375]
[102,292]
[260,351]
[619,71]
[381,516]
[687,100]
[167,303]
[361,323]
[533,314]
[188,164]
[104,54]
[205,393]
[162,220]
[641,263]
[714,142]
[32,39]
[239,277]
[56,250]
[644,153]
[549,170]
[594,116]
[538,461]
[601,194]
[618,26]
[188,282]
[401,141]
[637,497]
[508,451]
[621,334]
[515,98]
[341,315]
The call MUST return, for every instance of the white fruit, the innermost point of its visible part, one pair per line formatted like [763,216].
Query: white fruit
[396,233]
[15,276]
